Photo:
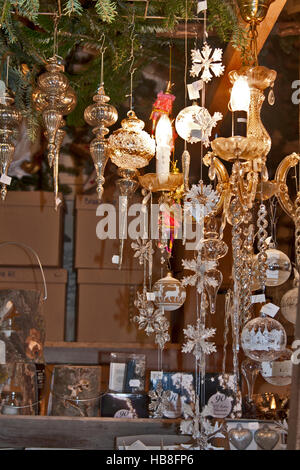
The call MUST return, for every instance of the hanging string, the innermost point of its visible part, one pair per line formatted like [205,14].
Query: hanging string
[55,42]
[102,51]
[185,60]
[131,59]
[7,69]
[203,94]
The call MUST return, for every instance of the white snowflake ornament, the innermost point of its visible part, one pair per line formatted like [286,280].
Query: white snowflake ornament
[197,340]
[201,200]
[207,61]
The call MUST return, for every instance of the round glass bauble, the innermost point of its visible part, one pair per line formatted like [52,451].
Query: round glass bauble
[289,305]
[169,293]
[263,339]
[278,269]
[278,372]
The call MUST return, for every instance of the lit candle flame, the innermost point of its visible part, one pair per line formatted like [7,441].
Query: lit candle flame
[273,403]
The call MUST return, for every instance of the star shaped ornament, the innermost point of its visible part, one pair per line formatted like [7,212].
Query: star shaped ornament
[208,62]
[197,337]
[160,401]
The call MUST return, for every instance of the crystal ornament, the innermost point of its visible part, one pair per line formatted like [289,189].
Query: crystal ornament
[197,340]
[201,277]
[160,401]
[201,200]
[194,124]
[263,339]
[250,370]
[100,115]
[207,62]
[10,119]
[213,248]
[169,293]
[130,147]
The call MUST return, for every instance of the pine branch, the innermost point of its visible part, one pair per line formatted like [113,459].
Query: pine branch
[73,7]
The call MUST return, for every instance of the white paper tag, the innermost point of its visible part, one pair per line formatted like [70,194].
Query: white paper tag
[134,383]
[202,5]
[151,296]
[5,179]
[194,88]
[276,369]
[270,309]
[258,299]
[137,445]
[242,120]
[253,426]
[115,259]
[272,274]
[268,241]
[2,352]
[116,376]
[156,375]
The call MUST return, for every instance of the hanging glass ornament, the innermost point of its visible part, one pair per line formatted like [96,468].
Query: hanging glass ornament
[100,115]
[54,98]
[130,147]
[278,267]
[10,119]
[263,339]
[213,248]
[212,283]
[194,124]
[278,372]
[289,305]
[250,370]
[169,293]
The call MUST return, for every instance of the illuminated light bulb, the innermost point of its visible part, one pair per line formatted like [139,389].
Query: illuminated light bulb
[240,95]
[273,403]
[163,137]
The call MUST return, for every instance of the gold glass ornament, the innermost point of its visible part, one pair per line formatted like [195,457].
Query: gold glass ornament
[10,119]
[130,147]
[54,98]
[100,114]
[254,10]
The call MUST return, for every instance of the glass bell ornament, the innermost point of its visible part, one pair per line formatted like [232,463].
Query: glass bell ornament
[10,119]
[250,370]
[130,147]
[278,372]
[263,339]
[100,115]
[278,267]
[169,293]
[213,248]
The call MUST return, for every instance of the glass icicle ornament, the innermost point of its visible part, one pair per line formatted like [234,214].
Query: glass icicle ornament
[100,115]
[10,119]
[250,370]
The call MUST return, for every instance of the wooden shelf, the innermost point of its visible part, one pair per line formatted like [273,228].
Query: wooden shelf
[76,433]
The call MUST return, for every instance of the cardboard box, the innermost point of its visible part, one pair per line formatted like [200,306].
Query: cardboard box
[106,306]
[91,251]
[54,306]
[29,217]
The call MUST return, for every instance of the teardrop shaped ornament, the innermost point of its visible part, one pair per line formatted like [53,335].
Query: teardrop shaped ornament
[271,97]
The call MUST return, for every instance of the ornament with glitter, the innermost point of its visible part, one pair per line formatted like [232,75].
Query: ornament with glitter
[207,61]
[160,401]
[197,340]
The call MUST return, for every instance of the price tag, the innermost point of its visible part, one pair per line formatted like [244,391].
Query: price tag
[2,352]
[272,274]
[202,5]
[258,299]
[270,309]
[241,120]
[134,383]
[194,88]
[5,179]
[151,296]
[115,259]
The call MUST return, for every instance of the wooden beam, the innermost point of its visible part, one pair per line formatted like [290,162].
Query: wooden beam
[232,60]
